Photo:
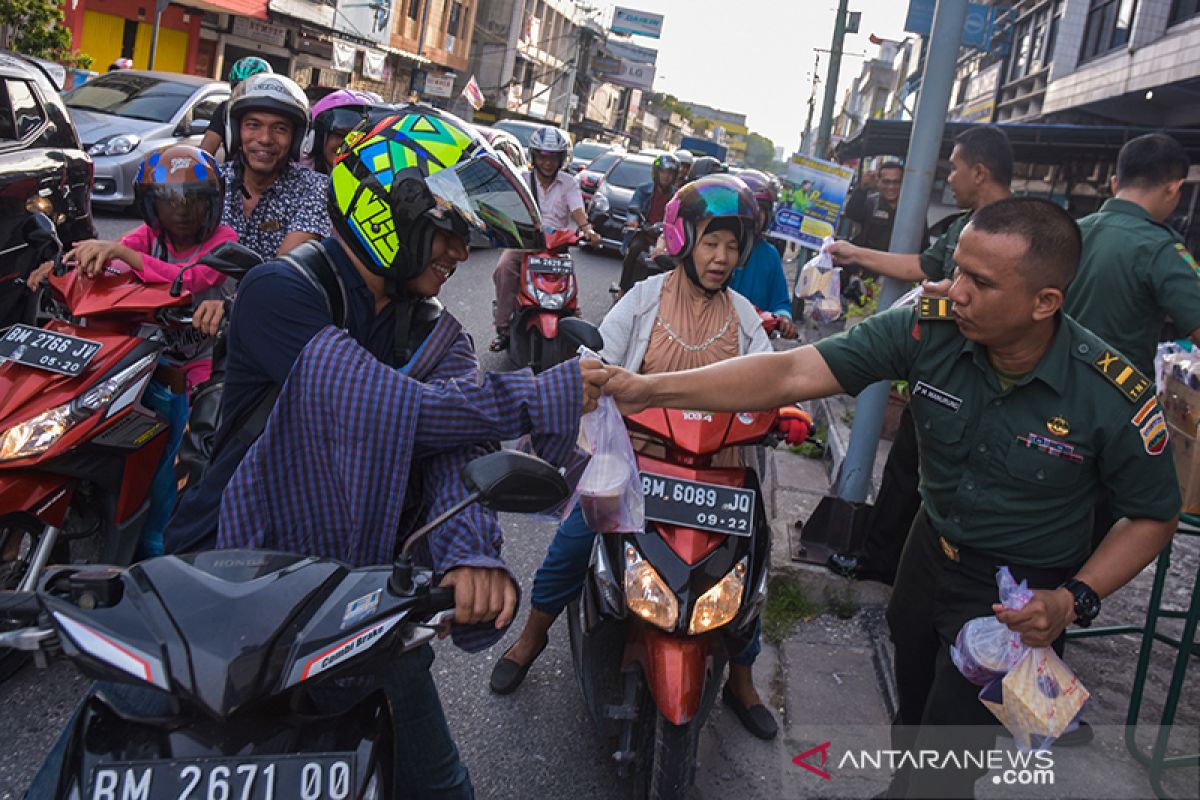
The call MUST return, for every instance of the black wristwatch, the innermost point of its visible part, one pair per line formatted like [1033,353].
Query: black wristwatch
[1087,602]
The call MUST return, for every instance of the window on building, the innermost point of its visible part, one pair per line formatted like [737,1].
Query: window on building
[1183,10]
[414,9]
[1033,40]
[455,19]
[1108,25]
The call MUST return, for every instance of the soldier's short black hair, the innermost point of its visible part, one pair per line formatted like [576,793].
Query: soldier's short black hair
[989,146]
[1151,160]
[1053,237]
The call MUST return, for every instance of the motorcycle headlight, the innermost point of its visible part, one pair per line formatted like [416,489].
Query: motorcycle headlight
[720,604]
[117,145]
[646,594]
[600,203]
[36,435]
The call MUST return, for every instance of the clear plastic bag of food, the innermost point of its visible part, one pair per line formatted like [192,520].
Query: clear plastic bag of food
[820,286]
[1038,700]
[985,648]
[610,489]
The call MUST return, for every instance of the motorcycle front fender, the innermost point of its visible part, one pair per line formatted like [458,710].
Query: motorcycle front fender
[545,323]
[676,670]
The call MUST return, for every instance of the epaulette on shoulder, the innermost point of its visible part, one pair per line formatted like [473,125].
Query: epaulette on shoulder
[935,308]
[1123,375]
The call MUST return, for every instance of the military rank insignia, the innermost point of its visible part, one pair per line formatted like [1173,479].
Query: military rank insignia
[1121,374]
[1187,257]
[934,308]
[1152,426]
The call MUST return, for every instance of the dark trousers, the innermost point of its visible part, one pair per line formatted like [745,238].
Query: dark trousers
[939,709]
[896,505]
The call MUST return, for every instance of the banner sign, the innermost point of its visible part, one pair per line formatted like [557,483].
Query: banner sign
[814,193]
[638,23]
[439,85]
[977,29]
[473,94]
[634,65]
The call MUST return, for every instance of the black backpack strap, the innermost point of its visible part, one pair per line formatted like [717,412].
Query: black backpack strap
[312,261]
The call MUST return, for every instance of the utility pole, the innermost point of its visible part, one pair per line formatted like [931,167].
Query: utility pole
[806,139]
[831,82]
[929,122]
[159,7]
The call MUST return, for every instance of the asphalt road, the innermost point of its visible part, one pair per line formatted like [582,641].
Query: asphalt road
[535,743]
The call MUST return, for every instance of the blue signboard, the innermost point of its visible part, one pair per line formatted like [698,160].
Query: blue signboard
[977,29]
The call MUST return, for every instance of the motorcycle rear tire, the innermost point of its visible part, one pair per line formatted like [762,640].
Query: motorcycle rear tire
[666,756]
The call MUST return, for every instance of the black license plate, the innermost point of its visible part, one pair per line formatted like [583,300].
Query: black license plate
[327,776]
[551,264]
[53,352]
[692,504]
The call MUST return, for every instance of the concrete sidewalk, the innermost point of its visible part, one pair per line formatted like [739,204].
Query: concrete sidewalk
[829,679]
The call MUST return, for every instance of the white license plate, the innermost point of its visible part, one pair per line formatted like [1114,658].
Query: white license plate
[47,350]
[326,776]
[691,504]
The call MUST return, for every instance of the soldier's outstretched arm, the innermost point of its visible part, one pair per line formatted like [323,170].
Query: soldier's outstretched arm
[748,383]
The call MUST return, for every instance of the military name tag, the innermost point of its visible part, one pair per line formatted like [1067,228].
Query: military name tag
[936,395]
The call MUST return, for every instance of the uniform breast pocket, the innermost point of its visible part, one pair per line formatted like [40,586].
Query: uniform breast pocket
[1032,465]
[939,425]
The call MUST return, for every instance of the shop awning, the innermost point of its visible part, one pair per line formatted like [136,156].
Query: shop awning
[245,8]
[396,51]
[1031,143]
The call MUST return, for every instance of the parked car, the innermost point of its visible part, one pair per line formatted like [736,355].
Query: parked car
[124,115]
[586,152]
[610,203]
[43,167]
[506,143]
[594,172]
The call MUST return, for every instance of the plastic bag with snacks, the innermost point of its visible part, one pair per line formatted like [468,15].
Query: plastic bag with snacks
[820,286]
[985,648]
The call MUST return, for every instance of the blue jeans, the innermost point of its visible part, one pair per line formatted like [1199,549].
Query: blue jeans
[426,762]
[559,579]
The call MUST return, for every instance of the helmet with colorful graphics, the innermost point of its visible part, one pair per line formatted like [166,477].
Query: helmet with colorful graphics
[397,181]
[713,197]
[335,115]
[179,190]
[245,67]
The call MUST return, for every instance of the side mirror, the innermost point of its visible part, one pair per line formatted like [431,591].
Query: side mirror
[515,482]
[581,332]
[197,127]
[42,237]
[231,259]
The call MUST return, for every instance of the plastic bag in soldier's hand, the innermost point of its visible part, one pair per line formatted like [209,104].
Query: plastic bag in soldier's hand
[820,286]
[986,648]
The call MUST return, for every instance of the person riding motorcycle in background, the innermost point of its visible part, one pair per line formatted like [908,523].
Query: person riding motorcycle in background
[217,135]
[761,280]
[558,198]
[685,159]
[333,116]
[684,319]
[401,222]
[649,203]
[705,165]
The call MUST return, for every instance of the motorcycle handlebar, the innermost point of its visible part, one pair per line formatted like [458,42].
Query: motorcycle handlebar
[21,607]
[441,598]
[177,315]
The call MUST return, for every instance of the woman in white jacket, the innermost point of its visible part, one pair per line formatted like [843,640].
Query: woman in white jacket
[684,319]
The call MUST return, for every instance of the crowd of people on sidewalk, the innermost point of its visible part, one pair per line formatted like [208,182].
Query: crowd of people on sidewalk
[1029,358]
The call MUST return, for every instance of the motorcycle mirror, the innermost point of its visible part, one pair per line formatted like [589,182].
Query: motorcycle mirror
[581,332]
[231,259]
[515,482]
[39,232]
[664,262]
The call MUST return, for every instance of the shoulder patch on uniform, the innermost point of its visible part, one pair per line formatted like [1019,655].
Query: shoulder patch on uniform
[1187,257]
[1152,427]
[1121,374]
[935,308]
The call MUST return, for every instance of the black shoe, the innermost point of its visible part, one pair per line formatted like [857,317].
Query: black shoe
[856,567]
[507,675]
[756,719]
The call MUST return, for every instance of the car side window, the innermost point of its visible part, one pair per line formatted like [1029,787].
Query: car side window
[205,109]
[27,112]
[8,131]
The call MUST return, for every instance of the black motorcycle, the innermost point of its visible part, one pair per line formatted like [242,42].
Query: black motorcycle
[232,651]
[638,264]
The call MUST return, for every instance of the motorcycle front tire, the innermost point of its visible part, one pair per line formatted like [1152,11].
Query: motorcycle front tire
[666,756]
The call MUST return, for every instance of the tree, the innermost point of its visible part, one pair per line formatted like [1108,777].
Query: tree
[760,151]
[35,28]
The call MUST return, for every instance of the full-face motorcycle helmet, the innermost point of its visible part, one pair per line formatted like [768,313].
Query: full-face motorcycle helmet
[185,178]
[395,182]
[711,197]
[664,163]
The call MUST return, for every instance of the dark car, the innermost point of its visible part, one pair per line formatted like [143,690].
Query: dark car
[42,166]
[591,175]
[610,203]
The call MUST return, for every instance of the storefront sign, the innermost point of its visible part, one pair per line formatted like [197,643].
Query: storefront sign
[311,44]
[439,85]
[265,32]
[640,23]
[634,65]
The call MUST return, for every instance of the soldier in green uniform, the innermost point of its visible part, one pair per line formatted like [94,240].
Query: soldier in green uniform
[981,167]
[1024,418]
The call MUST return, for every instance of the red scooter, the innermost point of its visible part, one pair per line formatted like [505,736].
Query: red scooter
[78,444]
[663,608]
[548,293]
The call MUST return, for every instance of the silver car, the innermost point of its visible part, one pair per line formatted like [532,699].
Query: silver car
[123,115]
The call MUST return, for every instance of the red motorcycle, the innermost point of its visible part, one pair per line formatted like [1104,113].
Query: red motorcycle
[78,443]
[662,609]
[548,294]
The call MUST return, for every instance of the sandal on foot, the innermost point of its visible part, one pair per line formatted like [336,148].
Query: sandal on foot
[499,344]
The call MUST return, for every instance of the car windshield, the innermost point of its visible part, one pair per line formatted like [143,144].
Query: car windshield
[589,150]
[605,161]
[630,174]
[520,130]
[133,96]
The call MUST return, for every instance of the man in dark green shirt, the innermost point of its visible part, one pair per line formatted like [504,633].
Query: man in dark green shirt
[1024,418]
[1136,271]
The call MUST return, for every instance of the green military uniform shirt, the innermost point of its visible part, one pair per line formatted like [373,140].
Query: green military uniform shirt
[1017,472]
[1133,270]
[937,262]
